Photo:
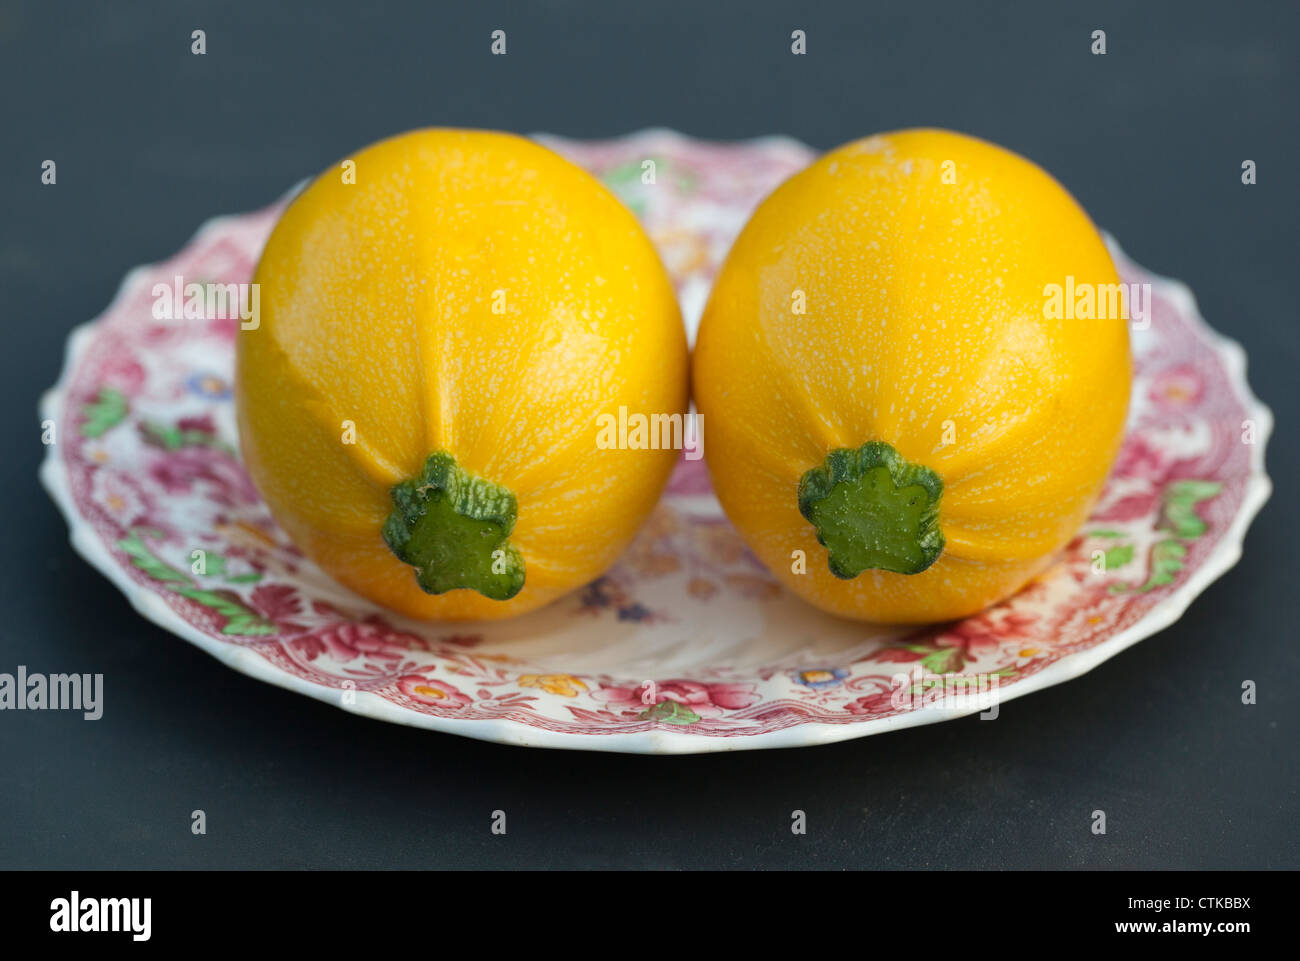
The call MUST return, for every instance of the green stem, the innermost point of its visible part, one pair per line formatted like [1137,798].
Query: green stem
[873,510]
[452,527]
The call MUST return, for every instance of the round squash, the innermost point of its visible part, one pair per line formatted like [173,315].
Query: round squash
[443,323]
[905,422]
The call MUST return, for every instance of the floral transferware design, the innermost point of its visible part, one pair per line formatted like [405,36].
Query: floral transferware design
[687,644]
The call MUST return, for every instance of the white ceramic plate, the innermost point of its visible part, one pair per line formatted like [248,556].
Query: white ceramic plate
[688,644]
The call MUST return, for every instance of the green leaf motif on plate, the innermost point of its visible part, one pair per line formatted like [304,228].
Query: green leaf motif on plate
[1178,516]
[107,411]
[173,437]
[240,620]
[670,712]
[1179,512]
[1118,556]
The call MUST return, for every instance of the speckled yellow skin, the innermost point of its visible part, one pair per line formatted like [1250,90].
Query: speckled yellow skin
[924,304]
[377,308]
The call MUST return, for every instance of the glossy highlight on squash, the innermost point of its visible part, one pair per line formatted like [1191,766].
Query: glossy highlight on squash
[439,336]
[897,426]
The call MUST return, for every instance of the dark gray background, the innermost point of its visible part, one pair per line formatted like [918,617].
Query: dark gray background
[150,141]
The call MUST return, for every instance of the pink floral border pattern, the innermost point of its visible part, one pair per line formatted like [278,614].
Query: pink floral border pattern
[148,451]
